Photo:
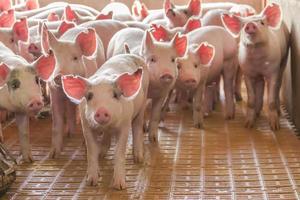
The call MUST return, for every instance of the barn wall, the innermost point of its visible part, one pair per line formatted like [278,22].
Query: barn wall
[150,3]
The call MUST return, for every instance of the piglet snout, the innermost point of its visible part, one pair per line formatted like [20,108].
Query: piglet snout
[190,82]
[35,105]
[102,116]
[166,78]
[250,28]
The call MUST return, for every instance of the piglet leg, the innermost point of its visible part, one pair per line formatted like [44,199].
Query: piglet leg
[273,91]
[251,115]
[155,118]
[22,122]
[71,118]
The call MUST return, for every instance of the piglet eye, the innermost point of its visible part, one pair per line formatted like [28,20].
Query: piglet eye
[15,84]
[173,60]
[12,40]
[185,12]
[89,96]
[262,23]
[75,58]
[153,60]
[116,95]
[195,66]
[37,80]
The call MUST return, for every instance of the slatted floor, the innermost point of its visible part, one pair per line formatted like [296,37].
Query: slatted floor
[224,161]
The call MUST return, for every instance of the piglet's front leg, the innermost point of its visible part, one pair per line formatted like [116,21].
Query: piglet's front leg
[23,130]
[157,105]
[120,154]
[198,107]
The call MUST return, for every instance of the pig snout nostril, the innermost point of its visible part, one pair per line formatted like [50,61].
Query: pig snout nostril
[102,116]
[35,105]
[250,28]
[166,78]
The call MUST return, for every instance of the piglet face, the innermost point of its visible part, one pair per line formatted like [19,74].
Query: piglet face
[70,54]
[11,36]
[160,58]
[23,83]
[193,67]
[105,98]
[254,29]
[179,15]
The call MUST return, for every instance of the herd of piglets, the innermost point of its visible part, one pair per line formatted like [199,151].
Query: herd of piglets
[111,65]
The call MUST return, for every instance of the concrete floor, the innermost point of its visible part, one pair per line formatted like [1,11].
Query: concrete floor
[223,161]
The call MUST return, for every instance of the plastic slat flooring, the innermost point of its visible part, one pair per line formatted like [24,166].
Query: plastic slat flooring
[223,161]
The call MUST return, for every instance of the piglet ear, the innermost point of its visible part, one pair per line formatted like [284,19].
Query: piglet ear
[45,66]
[135,8]
[70,15]
[4,74]
[45,43]
[232,23]
[194,7]
[7,18]
[87,42]
[52,17]
[105,16]
[32,4]
[74,87]
[144,11]
[206,53]
[180,44]
[5,5]
[168,6]
[20,30]
[148,42]
[130,84]
[159,32]
[273,15]
[192,24]
[64,26]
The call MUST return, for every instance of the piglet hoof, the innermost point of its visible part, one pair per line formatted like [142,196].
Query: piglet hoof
[92,178]
[238,97]
[54,153]
[274,121]
[119,183]
[153,138]
[24,159]
[145,128]
[199,125]
[138,157]
[229,117]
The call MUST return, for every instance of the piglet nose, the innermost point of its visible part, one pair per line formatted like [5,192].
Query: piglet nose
[102,116]
[35,105]
[166,78]
[250,28]
[190,82]
[32,48]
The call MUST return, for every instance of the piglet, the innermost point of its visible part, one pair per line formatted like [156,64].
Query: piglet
[264,41]
[78,51]
[20,90]
[112,101]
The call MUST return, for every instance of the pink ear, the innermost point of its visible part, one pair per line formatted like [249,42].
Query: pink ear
[64,26]
[53,17]
[273,15]
[45,66]
[7,18]
[180,44]
[134,8]
[5,5]
[4,73]
[206,53]
[159,32]
[144,11]
[105,16]
[32,4]
[192,24]
[195,7]
[232,23]
[45,38]
[130,84]
[168,5]
[20,30]
[74,87]
[87,41]
[70,15]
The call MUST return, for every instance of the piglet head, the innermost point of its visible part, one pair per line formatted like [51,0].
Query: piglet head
[254,29]
[69,55]
[160,58]
[179,15]
[104,98]
[194,66]
[7,18]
